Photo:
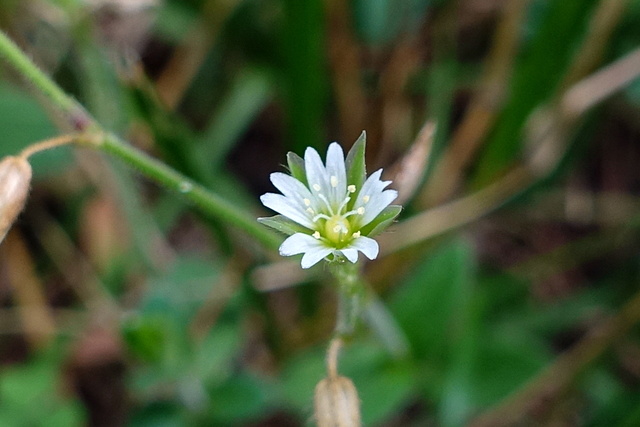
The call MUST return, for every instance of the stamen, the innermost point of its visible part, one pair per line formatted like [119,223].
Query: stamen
[360,210]
[326,202]
[348,214]
[366,199]
[354,235]
[307,202]
[316,187]
[343,204]
[316,235]
[334,181]
[351,188]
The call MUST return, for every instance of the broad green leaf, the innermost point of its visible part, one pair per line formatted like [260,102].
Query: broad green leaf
[355,162]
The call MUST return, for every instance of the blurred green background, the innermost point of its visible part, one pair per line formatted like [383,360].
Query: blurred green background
[508,289]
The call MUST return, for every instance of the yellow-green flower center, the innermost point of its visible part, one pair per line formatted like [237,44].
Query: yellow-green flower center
[337,229]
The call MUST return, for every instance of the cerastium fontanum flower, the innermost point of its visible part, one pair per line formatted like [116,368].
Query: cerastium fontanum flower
[332,211]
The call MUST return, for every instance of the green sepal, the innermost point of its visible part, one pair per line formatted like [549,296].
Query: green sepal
[283,224]
[382,221]
[296,167]
[356,169]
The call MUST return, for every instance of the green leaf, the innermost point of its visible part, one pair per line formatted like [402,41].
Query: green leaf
[355,162]
[382,221]
[296,167]
[283,224]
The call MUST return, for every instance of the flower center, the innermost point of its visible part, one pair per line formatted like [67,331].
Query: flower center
[337,229]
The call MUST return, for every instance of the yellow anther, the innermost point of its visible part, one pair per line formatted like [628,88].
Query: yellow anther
[307,202]
[366,199]
[334,181]
[356,235]
[351,188]
[360,210]
[316,235]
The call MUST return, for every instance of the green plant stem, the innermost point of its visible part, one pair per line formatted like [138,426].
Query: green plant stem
[27,69]
[350,289]
[209,203]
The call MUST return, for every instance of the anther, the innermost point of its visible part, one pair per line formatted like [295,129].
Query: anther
[354,235]
[316,235]
[311,211]
[351,188]
[307,202]
[334,181]
[316,187]
[360,210]
[366,199]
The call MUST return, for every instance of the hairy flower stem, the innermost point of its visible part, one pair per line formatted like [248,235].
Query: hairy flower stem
[350,296]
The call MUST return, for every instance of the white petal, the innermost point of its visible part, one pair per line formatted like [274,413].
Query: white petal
[299,243]
[378,197]
[377,205]
[367,246]
[311,257]
[350,253]
[284,206]
[336,168]
[294,190]
[289,186]
[316,172]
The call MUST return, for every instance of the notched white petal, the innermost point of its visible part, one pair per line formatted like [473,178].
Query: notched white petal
[351,254]
[289,186]
[367,246]
[298,243]
[283,206]
[316,172]
[336,167]
[377,205]
[313,256]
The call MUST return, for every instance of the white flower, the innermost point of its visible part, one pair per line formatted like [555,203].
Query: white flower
[330,210]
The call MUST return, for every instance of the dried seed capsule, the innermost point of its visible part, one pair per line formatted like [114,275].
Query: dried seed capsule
[336,403]
[15,178]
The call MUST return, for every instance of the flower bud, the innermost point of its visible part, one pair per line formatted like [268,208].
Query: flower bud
[15,178]
[336,403]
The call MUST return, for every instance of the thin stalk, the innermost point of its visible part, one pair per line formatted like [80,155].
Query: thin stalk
[27,69]
[208,202]
[48,144]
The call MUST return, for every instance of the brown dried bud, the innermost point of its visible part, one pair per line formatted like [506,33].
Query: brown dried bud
[15,178]
[336,403]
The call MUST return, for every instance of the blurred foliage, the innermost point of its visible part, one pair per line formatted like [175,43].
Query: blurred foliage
[161,317]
